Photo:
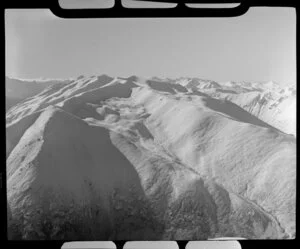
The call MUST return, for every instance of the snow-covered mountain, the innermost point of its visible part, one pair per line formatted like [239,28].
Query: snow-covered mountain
[16,90]
[266,100]
[108,158]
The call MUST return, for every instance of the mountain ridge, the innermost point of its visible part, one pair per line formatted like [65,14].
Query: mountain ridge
[147,159]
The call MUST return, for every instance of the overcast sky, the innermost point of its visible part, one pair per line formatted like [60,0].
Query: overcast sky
[258,46]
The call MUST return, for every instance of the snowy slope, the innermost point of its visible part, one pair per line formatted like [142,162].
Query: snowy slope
[16,90]
[280,111]
[268,101]
[113,158]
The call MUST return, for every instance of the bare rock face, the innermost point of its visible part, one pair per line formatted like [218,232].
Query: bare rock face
[103,158]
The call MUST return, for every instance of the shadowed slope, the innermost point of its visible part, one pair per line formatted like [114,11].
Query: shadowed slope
[63,166]
[166,86]
[234,111]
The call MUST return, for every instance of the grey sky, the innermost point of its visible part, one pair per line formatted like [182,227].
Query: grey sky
[258,46]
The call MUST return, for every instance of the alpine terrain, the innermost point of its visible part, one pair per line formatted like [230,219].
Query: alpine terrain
[112,158]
